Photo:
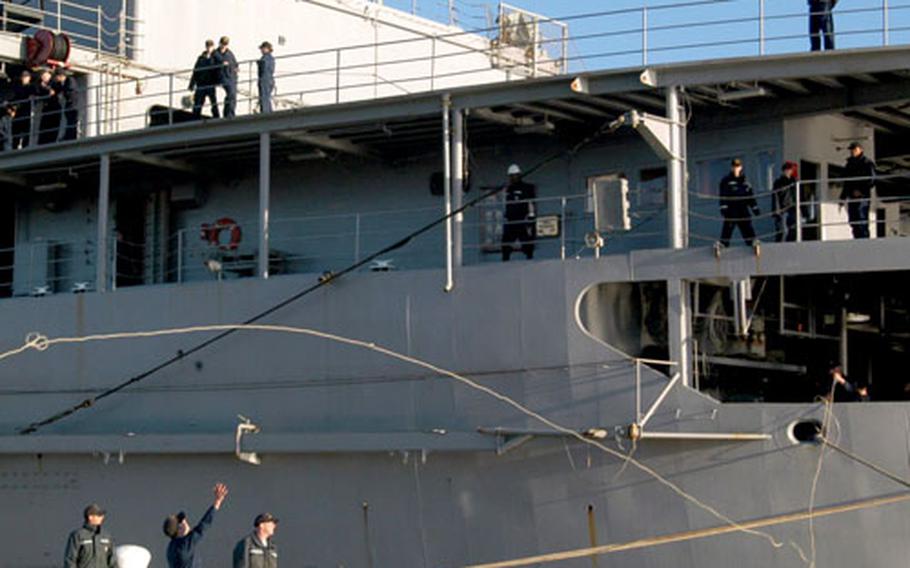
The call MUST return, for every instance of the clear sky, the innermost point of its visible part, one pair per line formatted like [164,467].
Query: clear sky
[735,31]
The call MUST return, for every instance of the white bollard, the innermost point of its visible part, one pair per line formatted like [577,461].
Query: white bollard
[132,556]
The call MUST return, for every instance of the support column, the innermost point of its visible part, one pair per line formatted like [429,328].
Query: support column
[457,164]
[676,173]
[265,174]
[447,188]
[678,303]
[104,198]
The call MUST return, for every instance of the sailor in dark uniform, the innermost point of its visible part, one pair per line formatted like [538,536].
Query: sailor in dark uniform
[857,193]
[48,109]
[67,92]
[206,75]
[783,200]
[266,67]
[227,65]
[90,546]
[821,24]
[737,204]
[519,215]
[23,92]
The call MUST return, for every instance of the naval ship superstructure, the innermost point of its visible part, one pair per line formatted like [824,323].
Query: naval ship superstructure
[634,395]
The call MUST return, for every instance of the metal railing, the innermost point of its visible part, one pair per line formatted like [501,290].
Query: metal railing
[634,36]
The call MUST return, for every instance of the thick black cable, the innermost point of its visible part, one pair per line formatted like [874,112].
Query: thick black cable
[324,280]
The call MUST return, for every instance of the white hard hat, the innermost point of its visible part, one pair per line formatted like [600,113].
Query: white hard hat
[514,170]
[132,556]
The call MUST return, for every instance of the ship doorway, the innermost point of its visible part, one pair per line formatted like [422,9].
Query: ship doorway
[7,244]
[129,260]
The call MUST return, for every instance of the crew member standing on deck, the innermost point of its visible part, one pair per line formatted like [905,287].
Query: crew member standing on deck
[7,122]
[737,204]
[821,24]
[783,202]
[857,191]
[206,75]
[67,92]
[90,546]
[182,548]
[227,64]
[266,68]
[519,215]
[258,550]
[23,91]
[49,111]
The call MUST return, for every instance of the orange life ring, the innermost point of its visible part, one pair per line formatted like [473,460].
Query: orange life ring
[212,233]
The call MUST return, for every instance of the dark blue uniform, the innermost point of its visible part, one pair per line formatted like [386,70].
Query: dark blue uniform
[783,201]
[206,75]
[67,97]
[857,193]
[821,23]
[227,65]
[181,549]
[519,219]
[22,124]
[266,65]
[737,205]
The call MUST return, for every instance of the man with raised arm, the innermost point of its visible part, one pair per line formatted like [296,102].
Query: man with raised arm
[181,550]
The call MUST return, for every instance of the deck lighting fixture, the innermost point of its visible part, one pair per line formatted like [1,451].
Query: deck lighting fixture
[740,94]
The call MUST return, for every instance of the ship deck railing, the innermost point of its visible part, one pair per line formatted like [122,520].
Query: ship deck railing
[566,229]
[618,38]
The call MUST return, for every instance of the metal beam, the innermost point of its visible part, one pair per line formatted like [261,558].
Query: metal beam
[104,198]
[13,180]
[327,143]
[549,112]
[503,118]
[792,66]
[157,161]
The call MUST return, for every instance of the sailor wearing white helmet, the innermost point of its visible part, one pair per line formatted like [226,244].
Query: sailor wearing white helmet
[519,215]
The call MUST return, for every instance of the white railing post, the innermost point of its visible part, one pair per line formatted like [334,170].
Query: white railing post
[761,27]
[638,391]
[885,38]
[59,16]
[180,256]
[433,64]
[121,44]
[447,190]
[265,181]
[170,99]
[337,76]
[98,34]
[357,238]
[250,91]
[562,228]
[799,213]
[644,35]
[104,197]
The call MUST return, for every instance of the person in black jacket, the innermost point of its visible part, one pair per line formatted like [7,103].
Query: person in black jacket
[266,68]
[227,65]
[520,221]
[258,550]
[737,204]
[206,75]
[857,193]
[48,109]
[182,548]
[783,201]
[821,24]
[90,546]
[23,91]
[7,122]
[67,92]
